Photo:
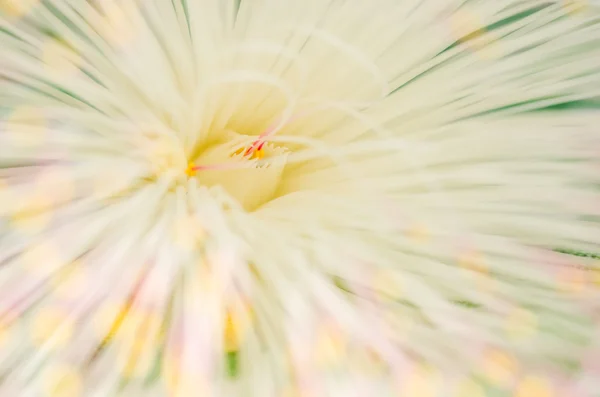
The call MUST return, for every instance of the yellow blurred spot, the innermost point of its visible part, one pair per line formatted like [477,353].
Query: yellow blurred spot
[119,322]
[575,6]
[42,258]
[170,371]
[291,391]
[60,59]
[62,381]
[5,334]
[485,283]
[51,324]
[473,261]
[466,26]
[387,285]
[191,386]
[207,279]
[573,280]
[165,159]
[131,324]
[533,386]
[521,324]
[235,328]
[118,28]
[71,283]
[331,345]
[26,126]
[419,233]
[230,333]
[500,368]
[187,232]
[57,184]
[33,213]
[423,382]
[163,153]
[469,388]
[469,28]
[255,272]
[108,320]
[17,8]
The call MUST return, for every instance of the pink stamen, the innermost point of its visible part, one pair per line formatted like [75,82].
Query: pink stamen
[252,148]
[259,143]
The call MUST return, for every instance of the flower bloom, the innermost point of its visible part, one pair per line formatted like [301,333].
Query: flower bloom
[284,198]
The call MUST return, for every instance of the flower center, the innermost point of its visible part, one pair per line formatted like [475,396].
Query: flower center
[248,169]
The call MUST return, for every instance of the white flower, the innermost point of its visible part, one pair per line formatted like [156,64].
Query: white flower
[337,197]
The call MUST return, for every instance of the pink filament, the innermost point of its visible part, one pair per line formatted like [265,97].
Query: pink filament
[215,167]
[259,143]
